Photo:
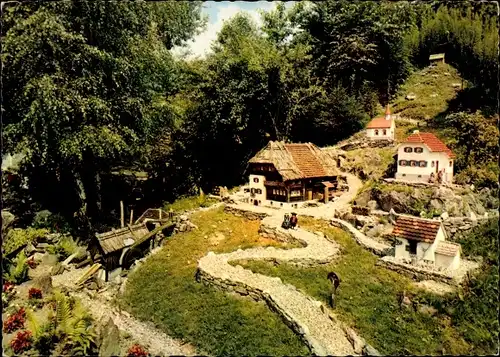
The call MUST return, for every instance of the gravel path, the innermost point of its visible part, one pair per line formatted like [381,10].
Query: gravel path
[323,335]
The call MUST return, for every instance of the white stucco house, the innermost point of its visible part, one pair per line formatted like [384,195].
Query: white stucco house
[424,241]
[423,155]
[382,128]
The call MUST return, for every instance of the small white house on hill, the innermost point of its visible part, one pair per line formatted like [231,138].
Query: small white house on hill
[423,157]
[424,240]
[382,128]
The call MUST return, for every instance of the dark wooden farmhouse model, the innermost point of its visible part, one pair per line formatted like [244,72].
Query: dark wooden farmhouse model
[283,172]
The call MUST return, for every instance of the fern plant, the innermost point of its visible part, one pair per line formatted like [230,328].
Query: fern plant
[73,325]
[18,271]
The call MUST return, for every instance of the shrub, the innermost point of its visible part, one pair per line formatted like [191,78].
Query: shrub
[35,293]
[17,237]
[8,287]
[137,351]
[66,247]
[22,342]
[15,321]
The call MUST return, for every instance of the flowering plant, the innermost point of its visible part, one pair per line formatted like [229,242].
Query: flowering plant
[15,321]
[22,342]
[137,351]
[35,293]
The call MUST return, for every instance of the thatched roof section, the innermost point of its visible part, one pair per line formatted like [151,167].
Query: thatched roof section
[296,161]
[118,239]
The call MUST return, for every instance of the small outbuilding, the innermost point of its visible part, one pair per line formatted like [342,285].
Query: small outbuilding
[112,249]
[436,58]
[420,239]
[382,128]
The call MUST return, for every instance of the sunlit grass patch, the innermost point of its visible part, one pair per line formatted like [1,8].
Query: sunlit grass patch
[163,290]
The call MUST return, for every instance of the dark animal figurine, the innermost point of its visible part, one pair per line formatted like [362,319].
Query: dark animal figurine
[335,280]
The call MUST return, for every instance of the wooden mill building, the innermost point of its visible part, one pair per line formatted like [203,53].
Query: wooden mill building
[284,173]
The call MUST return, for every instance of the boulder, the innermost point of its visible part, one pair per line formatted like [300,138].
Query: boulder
[57,269]
[363,198]
[8,220]
[445,216]
[370,351]
[372,205]
[44,283]
[393,200]
[357,342]
[109,339]
[472,216]
[436,205]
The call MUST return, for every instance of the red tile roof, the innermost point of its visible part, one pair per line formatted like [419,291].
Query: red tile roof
[379,123]
[306,161]
[419,229]
[432,142]
[449,249]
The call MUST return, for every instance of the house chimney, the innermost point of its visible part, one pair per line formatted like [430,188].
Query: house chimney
[387,113]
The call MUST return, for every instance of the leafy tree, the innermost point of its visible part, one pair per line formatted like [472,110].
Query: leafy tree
[94,93]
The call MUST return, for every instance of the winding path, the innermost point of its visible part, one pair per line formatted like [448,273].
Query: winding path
[306,316]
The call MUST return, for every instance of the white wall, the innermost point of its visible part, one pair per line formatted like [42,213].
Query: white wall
[447,262]
[400,251]
[370,133]
[257,185]
[412,173]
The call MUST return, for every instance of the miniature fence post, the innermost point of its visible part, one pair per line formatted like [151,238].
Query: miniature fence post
[131,216]
[122,215]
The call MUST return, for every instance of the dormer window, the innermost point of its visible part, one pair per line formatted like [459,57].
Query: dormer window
[256,180]
[419,150]
[408,149]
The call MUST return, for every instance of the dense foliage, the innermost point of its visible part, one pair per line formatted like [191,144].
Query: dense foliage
[105,91]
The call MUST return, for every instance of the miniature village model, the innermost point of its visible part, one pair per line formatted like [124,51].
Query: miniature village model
[424,240]
[423,157]
[282,174]
[382,128]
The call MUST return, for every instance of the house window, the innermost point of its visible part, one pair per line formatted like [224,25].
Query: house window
[432,164]
[295,193]
[384,132]
[258,191]
[402,163]
[451,163]
[404,175]
[411,247]
[422,163]
[256,180]
[408,149]
[418,150]
[376,132]
[413,163]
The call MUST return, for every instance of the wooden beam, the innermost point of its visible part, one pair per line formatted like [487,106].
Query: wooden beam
[131,217]
[122,215]
[150,234]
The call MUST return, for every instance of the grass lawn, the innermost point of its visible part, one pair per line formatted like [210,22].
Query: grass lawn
[432,88]
[189,203]
[164,290]
[368,300]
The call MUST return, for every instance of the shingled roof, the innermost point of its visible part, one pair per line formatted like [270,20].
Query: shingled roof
[120,238]
[380,123]
[419,229]
[431,141]
[296,161]
[449,249]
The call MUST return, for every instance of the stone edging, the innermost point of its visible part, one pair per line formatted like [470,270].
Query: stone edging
[373,246]
[320,334]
